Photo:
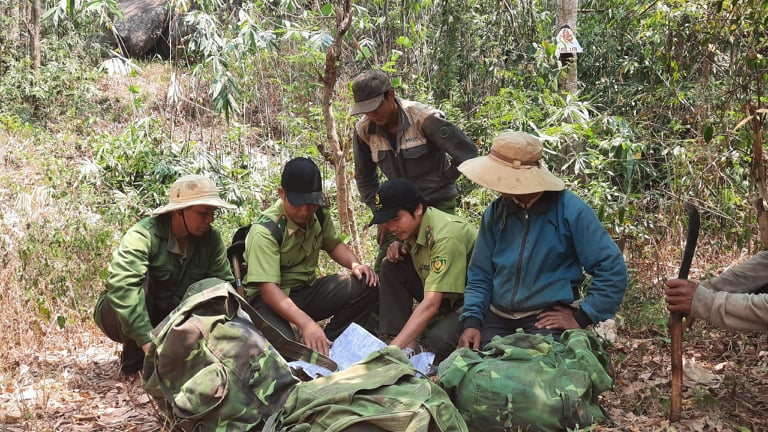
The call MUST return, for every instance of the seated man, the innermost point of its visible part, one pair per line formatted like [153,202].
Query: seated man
[155,263]
[281,279]
[735,300]
[427,262]
[534,246]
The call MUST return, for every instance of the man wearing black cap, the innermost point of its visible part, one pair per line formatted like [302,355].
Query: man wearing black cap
[281,279]
[428,263]
[404,139]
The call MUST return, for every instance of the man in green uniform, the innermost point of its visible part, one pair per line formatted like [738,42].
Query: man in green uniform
[428,263]
[157,260]
[404,139]
[281,279]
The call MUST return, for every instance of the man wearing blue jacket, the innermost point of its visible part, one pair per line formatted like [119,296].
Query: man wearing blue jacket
[535,246]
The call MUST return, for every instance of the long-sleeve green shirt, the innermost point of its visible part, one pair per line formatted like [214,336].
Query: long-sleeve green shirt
[144,254]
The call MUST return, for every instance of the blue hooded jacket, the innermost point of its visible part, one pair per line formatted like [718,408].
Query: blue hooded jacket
[532,259]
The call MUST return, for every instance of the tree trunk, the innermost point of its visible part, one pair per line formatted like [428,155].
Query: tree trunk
[335,152]
[34,36]
[566,16]
[758,170]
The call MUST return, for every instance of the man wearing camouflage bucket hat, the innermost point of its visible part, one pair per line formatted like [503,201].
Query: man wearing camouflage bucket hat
[156,261]
[535,244]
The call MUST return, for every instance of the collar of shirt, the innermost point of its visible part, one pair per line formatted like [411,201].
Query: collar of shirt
[173,246]
[530,203]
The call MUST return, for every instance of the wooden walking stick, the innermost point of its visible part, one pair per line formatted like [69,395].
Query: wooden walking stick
[675,322]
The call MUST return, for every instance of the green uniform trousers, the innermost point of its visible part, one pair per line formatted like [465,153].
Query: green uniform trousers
[400,285]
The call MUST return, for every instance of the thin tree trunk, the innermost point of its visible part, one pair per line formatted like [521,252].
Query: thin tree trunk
[758,170]
[34,37]
[335,152]
[566,16]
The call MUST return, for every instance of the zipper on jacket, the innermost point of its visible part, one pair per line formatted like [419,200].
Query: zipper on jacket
[519,266]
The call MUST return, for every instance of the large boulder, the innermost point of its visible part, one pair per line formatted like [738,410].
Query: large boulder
[142,27]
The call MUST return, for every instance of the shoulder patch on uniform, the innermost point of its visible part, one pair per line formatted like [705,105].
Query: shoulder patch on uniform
[438,264]
[444,132]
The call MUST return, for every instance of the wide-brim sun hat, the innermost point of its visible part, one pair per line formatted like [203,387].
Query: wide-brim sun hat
[191,190]
[514,166]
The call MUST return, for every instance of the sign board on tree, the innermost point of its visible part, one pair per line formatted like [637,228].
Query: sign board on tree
[566,42]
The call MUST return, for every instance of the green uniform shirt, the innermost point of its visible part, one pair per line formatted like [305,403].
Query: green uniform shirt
[295,262]
[145,251]
[442,251]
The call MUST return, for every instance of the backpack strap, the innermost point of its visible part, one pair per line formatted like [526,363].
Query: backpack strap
[285,346]
[235,253]
[277,228]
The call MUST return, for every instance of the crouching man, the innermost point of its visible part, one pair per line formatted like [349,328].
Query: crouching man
[427,263]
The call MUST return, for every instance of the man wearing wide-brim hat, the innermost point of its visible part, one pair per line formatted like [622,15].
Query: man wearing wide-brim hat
[535,246]
[157,260]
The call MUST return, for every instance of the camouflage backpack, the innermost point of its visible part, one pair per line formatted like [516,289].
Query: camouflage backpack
[529,382]
[382,392]
[211,367]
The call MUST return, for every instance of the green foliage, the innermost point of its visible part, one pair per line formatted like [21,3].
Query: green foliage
[60,85]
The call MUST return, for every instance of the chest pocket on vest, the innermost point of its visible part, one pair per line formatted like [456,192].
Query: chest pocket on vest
[415,152]
[379,156]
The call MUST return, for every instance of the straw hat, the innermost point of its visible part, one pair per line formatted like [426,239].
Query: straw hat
[514,166]
[192,190]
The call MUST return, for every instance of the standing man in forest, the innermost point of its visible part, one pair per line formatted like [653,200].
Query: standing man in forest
[157,260]
[404,139]
[282,250]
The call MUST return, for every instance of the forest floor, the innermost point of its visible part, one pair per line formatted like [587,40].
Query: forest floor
[77,386]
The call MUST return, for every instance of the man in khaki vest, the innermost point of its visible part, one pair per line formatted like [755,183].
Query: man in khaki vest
[404,139]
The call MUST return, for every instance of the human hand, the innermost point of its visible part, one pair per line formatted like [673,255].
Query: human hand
[397,251]
[371,277]
[470,338]
[679,295]
[557,318]
[314,337]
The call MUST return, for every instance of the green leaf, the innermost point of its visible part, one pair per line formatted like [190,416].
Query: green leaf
[707,131]
[327,10]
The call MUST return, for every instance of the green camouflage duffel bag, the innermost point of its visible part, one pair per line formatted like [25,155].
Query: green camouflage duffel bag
[529,382]
[383,392]
[210,368]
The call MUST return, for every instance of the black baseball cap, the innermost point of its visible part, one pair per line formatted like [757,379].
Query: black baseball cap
[393,196]
[302,183]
